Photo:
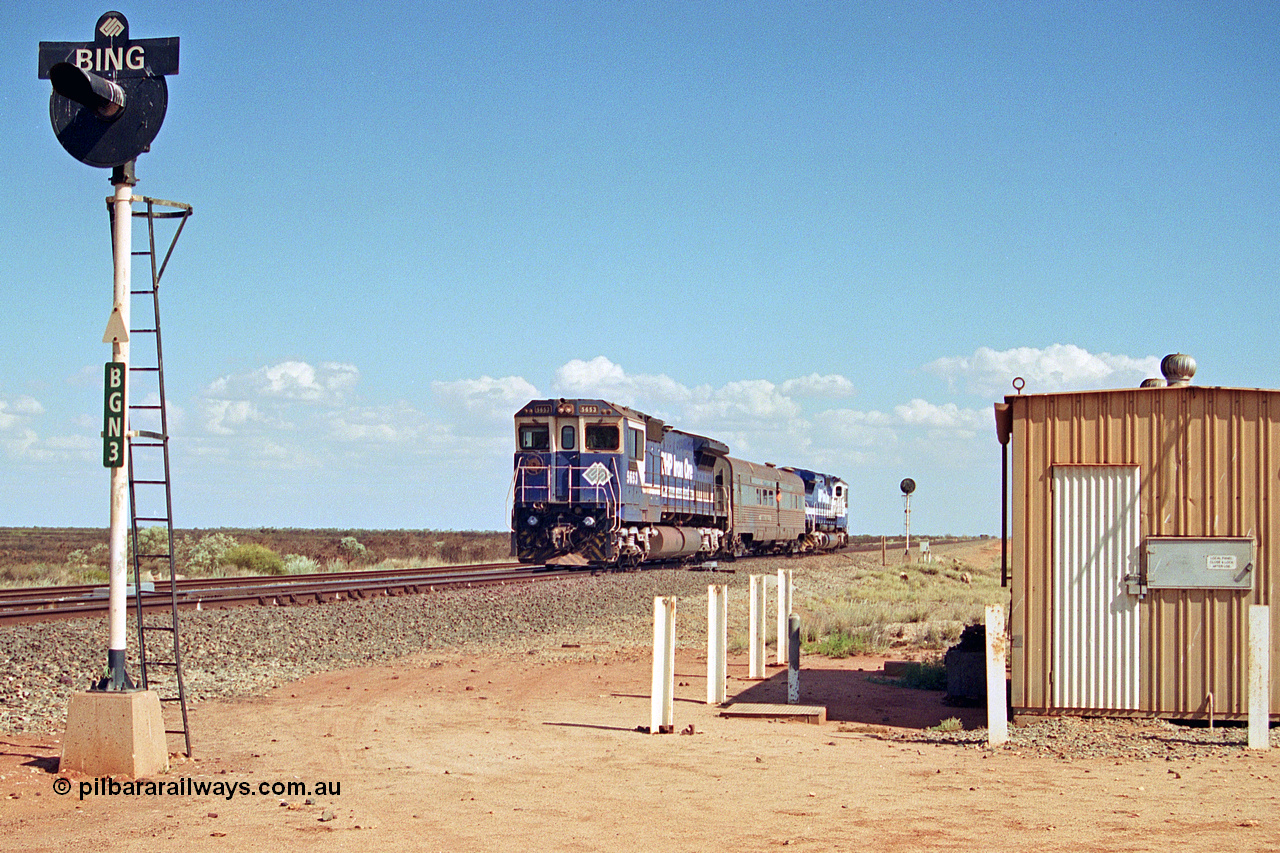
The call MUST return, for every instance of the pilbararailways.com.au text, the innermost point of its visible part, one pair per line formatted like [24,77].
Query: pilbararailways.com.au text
[188,787]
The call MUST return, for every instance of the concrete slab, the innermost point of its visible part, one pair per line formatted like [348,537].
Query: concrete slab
[816,714]
[115,733]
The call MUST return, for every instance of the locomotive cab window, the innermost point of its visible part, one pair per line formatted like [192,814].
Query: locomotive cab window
[568,437]
[635,443]
[602,437]
[535,437]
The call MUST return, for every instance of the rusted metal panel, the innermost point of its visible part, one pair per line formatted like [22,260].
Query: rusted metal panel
[1207,466]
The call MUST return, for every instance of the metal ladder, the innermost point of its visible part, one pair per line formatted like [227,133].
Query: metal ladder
[150,486]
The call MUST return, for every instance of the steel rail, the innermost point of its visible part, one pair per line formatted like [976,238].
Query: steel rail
[47,603]
[36,604]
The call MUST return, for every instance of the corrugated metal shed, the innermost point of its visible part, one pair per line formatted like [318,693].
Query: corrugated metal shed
[1096,475]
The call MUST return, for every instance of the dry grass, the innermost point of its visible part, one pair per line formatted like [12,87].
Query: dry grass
[70,556]
[921,604]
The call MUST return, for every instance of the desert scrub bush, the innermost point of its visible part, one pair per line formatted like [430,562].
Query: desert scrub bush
[939,635]
[940,602]
[254,560]
[353,552]
[450,552]
[78,559]
[47,574]
[950,724]
[296,564]
[204,557]
[25,574]
[457,547]
[841,644]
[924,675]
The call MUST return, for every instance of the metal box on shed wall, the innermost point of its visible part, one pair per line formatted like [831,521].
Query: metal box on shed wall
[1197,562]
[1205,464]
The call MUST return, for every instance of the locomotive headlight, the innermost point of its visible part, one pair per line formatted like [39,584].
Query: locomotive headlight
[532,521]
[589,521]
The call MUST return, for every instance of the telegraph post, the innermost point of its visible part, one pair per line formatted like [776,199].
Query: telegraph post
[108,102]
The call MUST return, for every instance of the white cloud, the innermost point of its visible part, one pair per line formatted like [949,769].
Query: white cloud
[580,376]
[28,406]
[815,385]
[290,380]
[11,412]
[601,378]
[276,396]
[394,424]
[225,417]
[947,416]
[487,398]
[755,417]
[24,443]
[1060,367]
[737,402]
[20,440]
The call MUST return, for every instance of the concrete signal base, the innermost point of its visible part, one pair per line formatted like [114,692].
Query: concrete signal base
[115,733]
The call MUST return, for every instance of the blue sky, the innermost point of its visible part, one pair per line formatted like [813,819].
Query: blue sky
[829,234]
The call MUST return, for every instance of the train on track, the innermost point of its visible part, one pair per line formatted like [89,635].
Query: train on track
[600,484]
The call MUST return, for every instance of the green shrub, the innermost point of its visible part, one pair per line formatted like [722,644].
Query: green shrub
[843,644]
[353,552]
[205,556]
[151,540]
[254,559]
[924,675]
[936,599]
[296,564]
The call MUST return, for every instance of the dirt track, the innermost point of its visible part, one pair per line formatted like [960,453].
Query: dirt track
[453,753]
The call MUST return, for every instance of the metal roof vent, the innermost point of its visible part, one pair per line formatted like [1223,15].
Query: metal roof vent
[1152,382]
[1178,369]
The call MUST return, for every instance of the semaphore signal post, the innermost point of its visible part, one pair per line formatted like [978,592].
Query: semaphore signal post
[108,102]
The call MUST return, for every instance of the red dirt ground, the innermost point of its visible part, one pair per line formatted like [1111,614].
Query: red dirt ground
[499,754]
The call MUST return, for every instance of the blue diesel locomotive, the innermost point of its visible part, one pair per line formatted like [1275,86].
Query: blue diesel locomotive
[596,483]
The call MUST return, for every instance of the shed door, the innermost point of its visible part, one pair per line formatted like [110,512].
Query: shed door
[1096,541]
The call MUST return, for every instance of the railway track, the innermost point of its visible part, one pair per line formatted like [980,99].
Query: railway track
[41,604]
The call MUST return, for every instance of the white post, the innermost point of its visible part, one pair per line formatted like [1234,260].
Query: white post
[662,708]
[717,644]
[997,711]
[756,653]
[784,610]
[117,545]
[1259,676]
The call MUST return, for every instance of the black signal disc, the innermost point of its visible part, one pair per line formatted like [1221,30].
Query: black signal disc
[106,144]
